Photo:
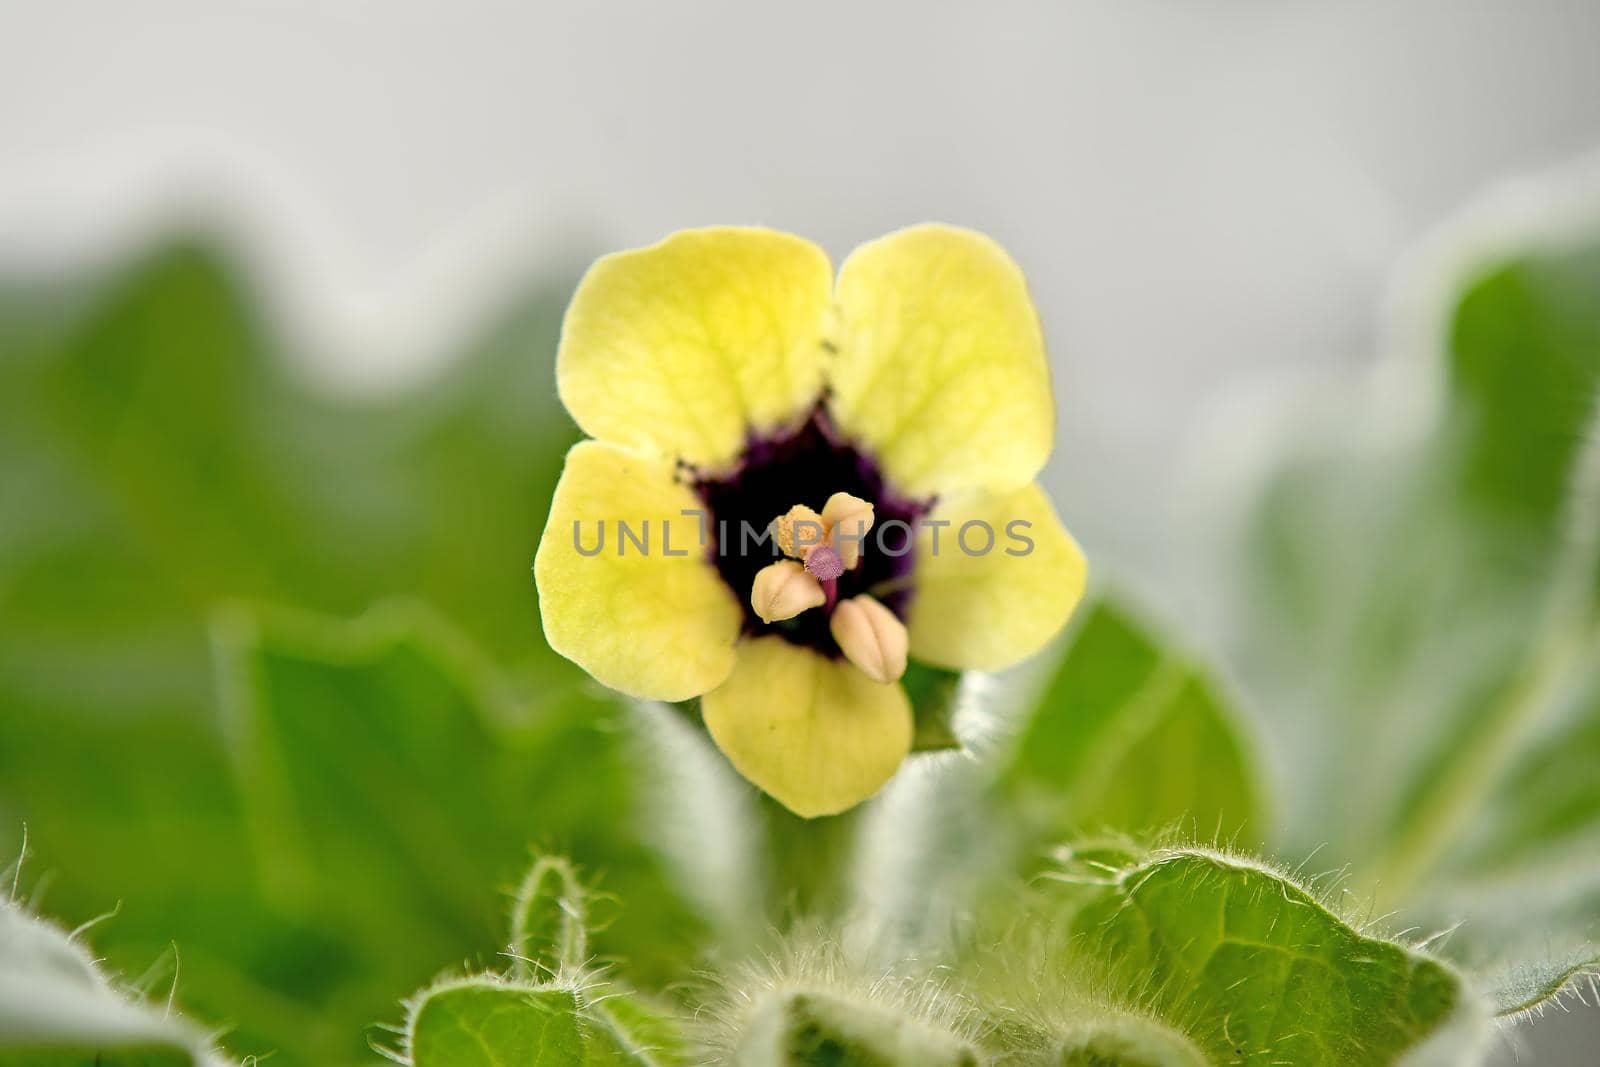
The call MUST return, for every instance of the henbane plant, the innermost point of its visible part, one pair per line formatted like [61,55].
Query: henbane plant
[725,375]
[1350,820]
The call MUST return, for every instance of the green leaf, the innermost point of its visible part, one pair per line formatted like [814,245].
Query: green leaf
[482,1023]
[1523,944]
[816,1029]
[57,1010]
[386,762]
[1128,734]
[1131,734]
[1253,969]
[171,460]
[1421,617]
[1519,890]
[1533,979]
[1524,354]
[636,1031]
[1525,362]
[107,749]
[169,433]
[1544,808]
[487,1022]
[1579,570]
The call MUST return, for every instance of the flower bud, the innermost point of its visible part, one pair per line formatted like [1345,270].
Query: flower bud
[871,637]
[783,590]
[848,519]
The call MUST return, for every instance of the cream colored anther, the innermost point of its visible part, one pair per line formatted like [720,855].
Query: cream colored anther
[871,637]
[783,590]
[847,519]
[798,531]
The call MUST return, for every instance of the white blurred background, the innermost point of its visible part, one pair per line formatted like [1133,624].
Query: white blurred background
[1203,193]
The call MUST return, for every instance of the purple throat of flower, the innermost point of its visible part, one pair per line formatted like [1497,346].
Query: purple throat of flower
[806,465]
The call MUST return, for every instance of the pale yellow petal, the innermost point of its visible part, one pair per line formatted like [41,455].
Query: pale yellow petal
[984,606]
[648,623]
[814,732]
[686,346]
[940,369]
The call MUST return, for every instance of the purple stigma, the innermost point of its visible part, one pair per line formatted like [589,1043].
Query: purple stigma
[824,563]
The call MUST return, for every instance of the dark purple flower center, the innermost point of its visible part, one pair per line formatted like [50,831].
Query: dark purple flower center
[806,466]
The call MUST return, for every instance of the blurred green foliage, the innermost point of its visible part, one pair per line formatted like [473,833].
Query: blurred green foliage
[1132,733]
[159,461]
[394,783]
[1421,615]
[1524,350]
[1128,733]
[272,688]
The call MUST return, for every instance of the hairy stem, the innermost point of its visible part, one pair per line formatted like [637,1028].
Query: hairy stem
[809,859]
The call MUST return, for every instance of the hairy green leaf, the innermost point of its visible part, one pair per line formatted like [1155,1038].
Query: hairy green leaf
[1523,944]
[482,1023]
[486,1022]
[57,1010]
[1253,969]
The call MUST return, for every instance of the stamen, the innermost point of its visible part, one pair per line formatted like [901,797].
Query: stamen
[871,637]
[798,531]
[784,590]
[816,464]
[848,519]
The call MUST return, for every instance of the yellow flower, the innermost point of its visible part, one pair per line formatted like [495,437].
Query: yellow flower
[732,387]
